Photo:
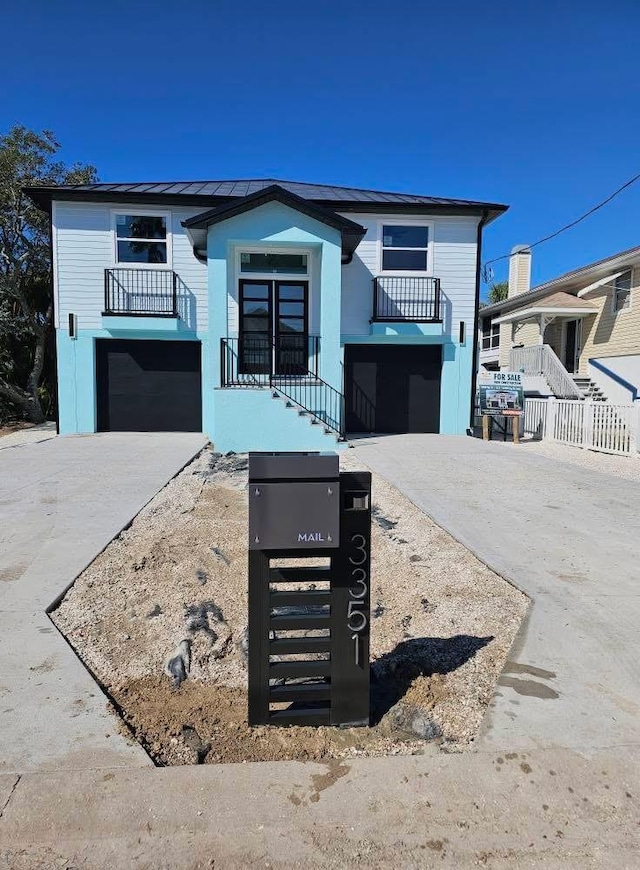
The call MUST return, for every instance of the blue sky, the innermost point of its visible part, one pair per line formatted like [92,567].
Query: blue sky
[535,104]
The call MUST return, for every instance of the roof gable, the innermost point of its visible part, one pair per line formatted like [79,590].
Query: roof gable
[274,193]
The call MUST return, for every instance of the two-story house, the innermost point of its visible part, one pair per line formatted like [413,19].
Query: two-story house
[270,315]
[577,336]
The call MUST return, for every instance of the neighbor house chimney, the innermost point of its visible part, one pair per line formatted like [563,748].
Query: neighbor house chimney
[519,270]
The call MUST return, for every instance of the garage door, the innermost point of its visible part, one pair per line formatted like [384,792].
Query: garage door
[148,386]
[392,389]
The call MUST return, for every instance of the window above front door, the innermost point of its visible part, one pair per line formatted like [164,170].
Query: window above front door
[273,263]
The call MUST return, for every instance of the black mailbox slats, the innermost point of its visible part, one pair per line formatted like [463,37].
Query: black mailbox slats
[300,575]
[300,598]
[304,692]
[297,645]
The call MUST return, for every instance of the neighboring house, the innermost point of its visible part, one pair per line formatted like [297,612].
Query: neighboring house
[270,315]
[576,336]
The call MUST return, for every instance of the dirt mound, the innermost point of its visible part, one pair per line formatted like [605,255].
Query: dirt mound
[166,603]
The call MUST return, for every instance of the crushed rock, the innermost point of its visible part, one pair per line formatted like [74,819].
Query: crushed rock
[443,625]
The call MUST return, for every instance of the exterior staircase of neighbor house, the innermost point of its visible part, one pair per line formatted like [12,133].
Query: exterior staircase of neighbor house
[589,388]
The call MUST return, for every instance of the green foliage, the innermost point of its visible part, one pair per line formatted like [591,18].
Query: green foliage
[498,292]
[27,368]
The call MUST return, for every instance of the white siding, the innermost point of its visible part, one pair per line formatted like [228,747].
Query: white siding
[454,262]
[84,248]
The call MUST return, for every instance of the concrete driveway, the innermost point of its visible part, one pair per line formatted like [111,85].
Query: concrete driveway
[61,502]
[568,538]
[552,785]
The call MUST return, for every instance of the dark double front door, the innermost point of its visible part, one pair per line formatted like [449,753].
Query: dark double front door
[273,327]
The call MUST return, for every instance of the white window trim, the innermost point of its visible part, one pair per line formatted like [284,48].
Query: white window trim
[615,311]
[407,222]
[272,276]
[150,212]
[237,276]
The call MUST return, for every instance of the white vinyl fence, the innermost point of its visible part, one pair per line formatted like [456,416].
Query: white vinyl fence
[593,425]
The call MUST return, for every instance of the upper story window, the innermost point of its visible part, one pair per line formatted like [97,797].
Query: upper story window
[141,238]
[490,334]
[405,248]
[273,263]
[622,291]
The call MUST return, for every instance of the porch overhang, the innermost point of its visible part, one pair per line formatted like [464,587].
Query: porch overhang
[537,311]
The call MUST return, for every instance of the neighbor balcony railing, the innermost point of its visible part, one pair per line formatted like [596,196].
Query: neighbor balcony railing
[151,292]
[406,299]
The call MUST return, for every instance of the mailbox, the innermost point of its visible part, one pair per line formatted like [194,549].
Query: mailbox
[294,501]
[308,623]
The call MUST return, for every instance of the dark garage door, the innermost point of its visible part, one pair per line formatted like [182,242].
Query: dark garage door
[148,386]
[393,389]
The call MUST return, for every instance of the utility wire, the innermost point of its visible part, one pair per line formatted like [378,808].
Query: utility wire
[573,223]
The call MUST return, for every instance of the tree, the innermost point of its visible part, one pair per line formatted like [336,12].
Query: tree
[498,292]
[26,300]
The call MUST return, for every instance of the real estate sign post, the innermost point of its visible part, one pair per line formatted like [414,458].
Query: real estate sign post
[501,395]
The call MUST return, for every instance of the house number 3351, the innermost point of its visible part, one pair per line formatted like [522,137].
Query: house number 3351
[357,608]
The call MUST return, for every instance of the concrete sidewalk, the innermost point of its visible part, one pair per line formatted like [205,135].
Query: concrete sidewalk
[544,809]
[567,537]
[61,502]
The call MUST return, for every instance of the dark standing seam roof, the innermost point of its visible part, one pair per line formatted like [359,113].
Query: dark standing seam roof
[245,187]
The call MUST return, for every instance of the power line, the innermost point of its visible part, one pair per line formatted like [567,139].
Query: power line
[572,224]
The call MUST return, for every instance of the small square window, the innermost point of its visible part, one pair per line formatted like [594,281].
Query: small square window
[490,334]
[405,248]
[141,238]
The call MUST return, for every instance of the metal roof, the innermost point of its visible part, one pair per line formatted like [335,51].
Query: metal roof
[216,190]
[569,282]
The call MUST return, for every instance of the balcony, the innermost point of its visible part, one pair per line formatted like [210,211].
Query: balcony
[140,293]
[415,300]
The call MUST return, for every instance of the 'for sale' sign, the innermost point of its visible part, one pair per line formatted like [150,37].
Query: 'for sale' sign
[501,394]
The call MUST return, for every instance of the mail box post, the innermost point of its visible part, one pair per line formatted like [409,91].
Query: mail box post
[308,647]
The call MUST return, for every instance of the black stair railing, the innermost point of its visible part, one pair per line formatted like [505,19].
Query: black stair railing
[288,365]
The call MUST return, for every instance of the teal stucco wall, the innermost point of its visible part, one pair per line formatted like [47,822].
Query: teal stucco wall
[250,419]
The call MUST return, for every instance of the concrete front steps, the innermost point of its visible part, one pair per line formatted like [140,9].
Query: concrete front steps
[589,388]
[314,419]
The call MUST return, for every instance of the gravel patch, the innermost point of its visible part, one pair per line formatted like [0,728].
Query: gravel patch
[160,618]
[605,463]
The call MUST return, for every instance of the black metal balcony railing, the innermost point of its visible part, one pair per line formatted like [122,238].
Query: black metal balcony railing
[151,292]
[406,299]
[289,366]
